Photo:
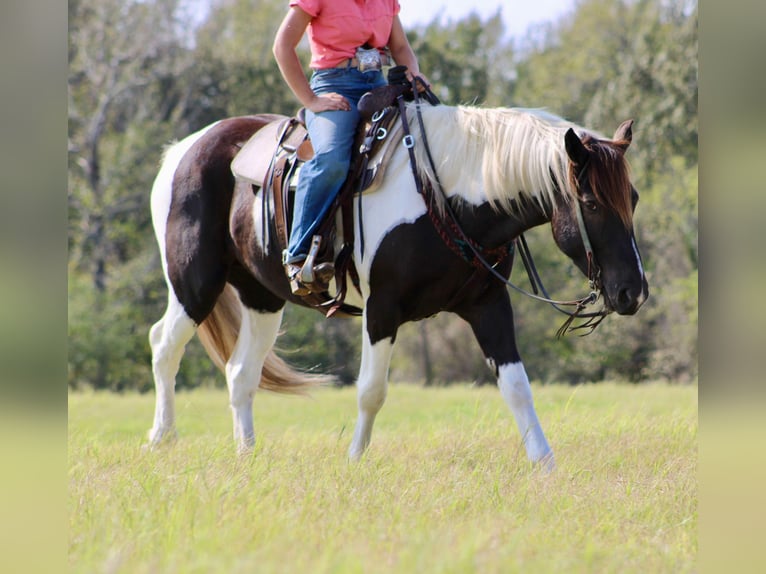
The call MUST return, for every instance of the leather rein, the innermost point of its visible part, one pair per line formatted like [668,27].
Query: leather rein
[459,242]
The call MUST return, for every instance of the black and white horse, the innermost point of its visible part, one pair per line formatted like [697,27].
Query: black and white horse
[503,171]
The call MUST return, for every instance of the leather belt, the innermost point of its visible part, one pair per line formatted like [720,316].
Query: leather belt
[354,63]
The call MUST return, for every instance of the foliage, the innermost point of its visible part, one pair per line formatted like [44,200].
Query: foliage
[143,72]
[613,60]
[235,69]
[445,486]
[468,61]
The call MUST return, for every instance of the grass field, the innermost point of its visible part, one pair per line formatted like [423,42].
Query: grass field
[445,486]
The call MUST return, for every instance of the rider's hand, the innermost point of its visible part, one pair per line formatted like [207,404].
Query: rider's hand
[421,87]
[329,102]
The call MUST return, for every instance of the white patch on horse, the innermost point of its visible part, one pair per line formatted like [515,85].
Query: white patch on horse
[396,203]
[514,386]
[162,190]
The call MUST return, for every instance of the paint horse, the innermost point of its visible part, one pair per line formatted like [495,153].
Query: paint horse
[502,171]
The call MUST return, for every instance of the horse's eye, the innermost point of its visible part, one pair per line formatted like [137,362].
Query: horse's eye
[590,205]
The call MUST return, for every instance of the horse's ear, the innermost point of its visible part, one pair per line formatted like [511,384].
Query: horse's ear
[624,134]
[576,150]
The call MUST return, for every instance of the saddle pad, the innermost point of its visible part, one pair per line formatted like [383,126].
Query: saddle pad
[253,160]
[252,164]
[381,158]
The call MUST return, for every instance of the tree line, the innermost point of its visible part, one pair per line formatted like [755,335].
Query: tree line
[143,73]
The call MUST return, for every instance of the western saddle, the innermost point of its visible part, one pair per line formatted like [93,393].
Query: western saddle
[276,174]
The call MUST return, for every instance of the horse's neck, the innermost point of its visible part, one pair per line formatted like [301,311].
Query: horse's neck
[503,169]
[491,228]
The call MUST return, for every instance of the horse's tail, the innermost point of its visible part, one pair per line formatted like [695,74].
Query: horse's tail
[218,334]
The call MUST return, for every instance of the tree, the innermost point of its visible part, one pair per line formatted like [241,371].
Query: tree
[123,59]
[614,60]
[467,61]
[656,83]
[235,70]
[562,64]
[119,52]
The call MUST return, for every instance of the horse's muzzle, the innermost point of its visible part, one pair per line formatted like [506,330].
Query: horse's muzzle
[628,299]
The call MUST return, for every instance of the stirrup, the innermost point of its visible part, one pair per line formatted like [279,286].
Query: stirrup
[307,277]
[293,271]
[323,273]
[307,273]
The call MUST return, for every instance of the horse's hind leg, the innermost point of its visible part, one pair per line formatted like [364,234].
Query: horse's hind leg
[168,338]
[371,389]
[257,335]
[492,323]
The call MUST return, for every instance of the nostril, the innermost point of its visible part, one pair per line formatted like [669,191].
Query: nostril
[624,297]
[627,300]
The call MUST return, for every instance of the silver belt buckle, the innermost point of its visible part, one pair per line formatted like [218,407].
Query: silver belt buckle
[368,60]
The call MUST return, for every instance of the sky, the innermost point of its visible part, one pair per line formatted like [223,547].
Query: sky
[517,14]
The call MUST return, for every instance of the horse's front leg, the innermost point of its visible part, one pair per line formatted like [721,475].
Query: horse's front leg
[371,388]
[492,323]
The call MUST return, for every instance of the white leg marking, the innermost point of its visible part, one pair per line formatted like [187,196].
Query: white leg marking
[372,387]
[168,338]
[514,386]
[257,335]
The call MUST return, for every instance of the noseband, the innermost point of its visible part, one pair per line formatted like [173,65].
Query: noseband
[479,256]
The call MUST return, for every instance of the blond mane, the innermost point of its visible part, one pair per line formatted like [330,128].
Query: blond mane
[495,154]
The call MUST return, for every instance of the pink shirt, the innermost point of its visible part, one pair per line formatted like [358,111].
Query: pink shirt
[338,27]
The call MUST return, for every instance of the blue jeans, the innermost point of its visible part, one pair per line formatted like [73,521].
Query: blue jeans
[332,136]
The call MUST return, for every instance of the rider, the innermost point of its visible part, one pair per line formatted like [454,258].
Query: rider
[349,41]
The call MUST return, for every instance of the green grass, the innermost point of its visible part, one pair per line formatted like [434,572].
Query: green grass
[445,486]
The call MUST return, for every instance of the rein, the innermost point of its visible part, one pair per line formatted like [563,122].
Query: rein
[479,256]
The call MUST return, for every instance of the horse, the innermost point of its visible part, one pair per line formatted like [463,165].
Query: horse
[501,170]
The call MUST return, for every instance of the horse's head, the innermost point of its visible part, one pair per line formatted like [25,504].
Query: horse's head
[595,228]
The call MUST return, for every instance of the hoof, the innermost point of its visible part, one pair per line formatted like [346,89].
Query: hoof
[158,439]
[546,464]
[356,454]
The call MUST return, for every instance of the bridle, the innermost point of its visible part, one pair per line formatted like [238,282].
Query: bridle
[479,257]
